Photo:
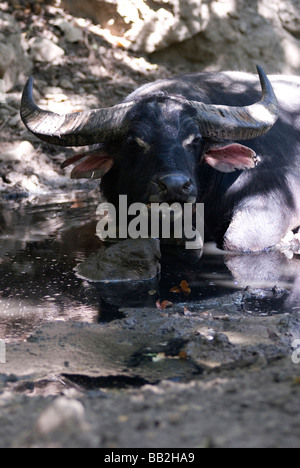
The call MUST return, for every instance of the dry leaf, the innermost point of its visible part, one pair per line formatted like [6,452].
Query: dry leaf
[185,287]
[164,304]
[175,289]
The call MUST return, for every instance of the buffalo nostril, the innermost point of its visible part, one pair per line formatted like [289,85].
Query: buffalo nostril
[163,187]
[187,186]
[174,183]
[173,187]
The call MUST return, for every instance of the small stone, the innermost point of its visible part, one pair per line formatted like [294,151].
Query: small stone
[14,61]
[63,414]
[18,152]
[44,50]
[66,84]
[15,120]
[71,33]
[2,91]
[2,87]
[129,260]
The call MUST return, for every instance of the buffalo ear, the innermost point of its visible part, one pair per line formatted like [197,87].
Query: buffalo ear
[96,164]
[230,157]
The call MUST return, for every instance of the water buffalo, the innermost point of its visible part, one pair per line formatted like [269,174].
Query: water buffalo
[179,140]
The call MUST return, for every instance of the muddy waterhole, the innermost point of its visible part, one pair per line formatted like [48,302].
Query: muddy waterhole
[42,242]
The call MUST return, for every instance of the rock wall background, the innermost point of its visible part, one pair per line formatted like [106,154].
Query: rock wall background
[94,53]
[213,33]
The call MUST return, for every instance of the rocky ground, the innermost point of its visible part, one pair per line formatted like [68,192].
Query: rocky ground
[90,54]
[74,67]
[217,374]
[201,378]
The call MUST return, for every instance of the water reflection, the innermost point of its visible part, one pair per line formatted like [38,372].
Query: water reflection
[42,243]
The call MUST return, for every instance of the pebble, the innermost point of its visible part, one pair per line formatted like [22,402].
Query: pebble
[44,50]
[15,120]
[64,413]
[18,152]
[66,84]
[2,91]
[72,33]
[2,87]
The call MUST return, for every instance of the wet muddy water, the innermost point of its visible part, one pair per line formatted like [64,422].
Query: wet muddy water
[43,241]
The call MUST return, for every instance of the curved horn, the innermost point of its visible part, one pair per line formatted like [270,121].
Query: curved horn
[77,129]
[86,128]
[239,123]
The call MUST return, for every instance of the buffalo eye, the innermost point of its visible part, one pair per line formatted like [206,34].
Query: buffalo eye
[192,141]
[143,144]
[197,141]
[137,144]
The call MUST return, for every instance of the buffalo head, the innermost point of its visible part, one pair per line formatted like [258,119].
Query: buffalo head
[150,146]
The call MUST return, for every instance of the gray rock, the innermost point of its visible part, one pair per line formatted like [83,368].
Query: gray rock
[129,260]
[15,64]
[18,152]
[2,91]
[289,16]
[223,34]
[66,84]
[44,50]
[62,414]
[71,33]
